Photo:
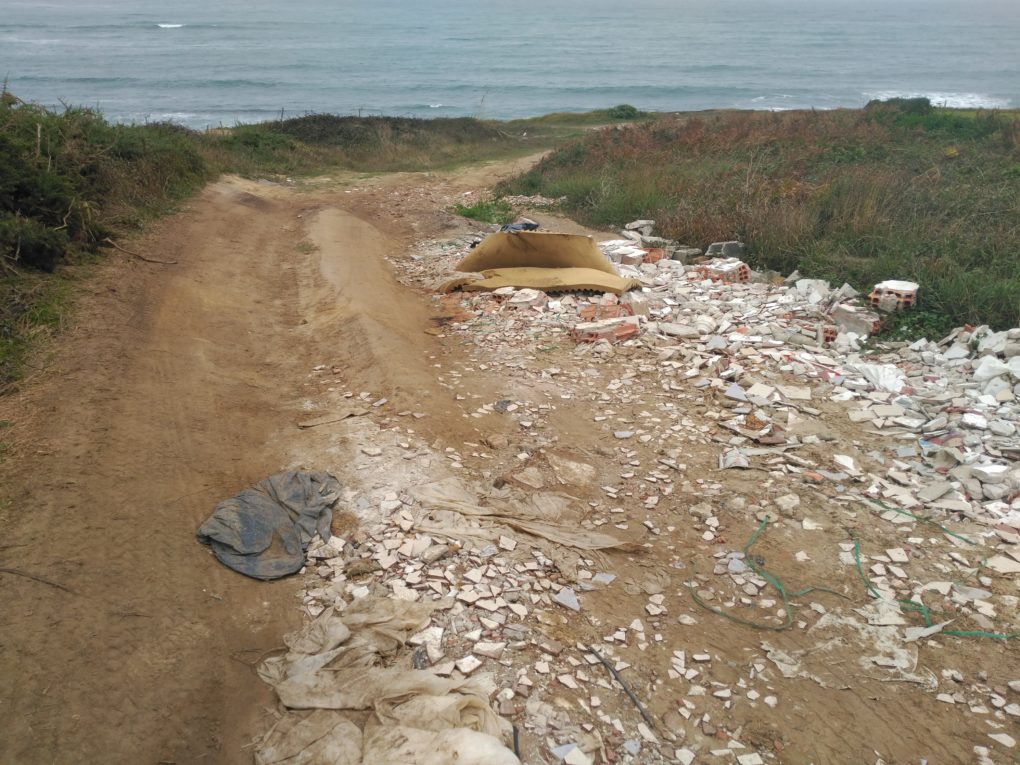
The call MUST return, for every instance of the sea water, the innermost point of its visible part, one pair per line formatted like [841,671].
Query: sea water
[215,62]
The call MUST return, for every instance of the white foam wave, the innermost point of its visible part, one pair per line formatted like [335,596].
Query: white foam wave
[170,26]
[951,100]
[435,106]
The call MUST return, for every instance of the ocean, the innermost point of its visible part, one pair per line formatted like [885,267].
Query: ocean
[209,63]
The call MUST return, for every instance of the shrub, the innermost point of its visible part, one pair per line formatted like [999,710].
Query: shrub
[902,105]
[624,112]
[27,241]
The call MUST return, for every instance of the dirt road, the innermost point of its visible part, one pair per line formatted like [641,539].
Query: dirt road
[123,641]
[176,386]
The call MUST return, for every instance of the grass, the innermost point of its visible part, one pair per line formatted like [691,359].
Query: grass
[34,306]
[488,211]
[896,190]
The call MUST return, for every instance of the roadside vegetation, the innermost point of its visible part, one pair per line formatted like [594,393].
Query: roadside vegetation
[899,189]
[896,190]
[493,210]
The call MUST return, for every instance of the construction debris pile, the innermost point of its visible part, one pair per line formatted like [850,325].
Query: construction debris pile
[589,590]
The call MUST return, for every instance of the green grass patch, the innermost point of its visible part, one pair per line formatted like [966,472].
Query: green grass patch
[31,305]
[895,190]
[488,211]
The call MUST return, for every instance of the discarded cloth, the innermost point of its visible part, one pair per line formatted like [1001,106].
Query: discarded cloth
[263,531]
[331,677]
[541,514]
[524,224]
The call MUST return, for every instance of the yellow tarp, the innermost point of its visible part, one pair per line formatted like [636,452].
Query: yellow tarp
[536,249]
[545,279]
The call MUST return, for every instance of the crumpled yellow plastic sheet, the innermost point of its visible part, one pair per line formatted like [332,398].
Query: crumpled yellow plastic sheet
[545,279]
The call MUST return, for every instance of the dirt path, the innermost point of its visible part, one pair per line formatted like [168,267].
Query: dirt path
[177,386]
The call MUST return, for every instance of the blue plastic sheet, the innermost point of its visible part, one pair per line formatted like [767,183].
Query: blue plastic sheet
[263,531]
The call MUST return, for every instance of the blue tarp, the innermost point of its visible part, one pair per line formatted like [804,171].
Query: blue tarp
[263,531]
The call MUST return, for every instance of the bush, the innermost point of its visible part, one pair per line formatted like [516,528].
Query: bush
[76,175]
[903,105]
[27,241]
[624,112]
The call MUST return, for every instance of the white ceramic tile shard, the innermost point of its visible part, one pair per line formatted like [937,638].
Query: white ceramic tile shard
[568,599]
[468,664]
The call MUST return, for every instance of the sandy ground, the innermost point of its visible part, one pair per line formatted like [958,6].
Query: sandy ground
[178,385]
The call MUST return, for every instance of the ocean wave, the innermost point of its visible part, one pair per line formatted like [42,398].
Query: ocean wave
[170,26]
[951,100]
[47,41]
[179,84]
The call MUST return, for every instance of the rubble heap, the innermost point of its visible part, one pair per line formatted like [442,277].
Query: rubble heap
[732,411]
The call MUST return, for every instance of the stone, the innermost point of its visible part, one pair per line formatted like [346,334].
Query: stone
[1003,738]
[795,392]
[860,321]
[489,650]
[637,225]
[935,490]
[682,331]
[576,757]
[989,473]
[736,393]
[646,733]
[528,298]
[1003,564]
[468,664]
[1002,428]
[731,249]
[787,502]
[568,681]
[434,553]
[567,598]
[990,367]
[974,421]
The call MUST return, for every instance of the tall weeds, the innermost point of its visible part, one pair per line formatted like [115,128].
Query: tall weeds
[891,191]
